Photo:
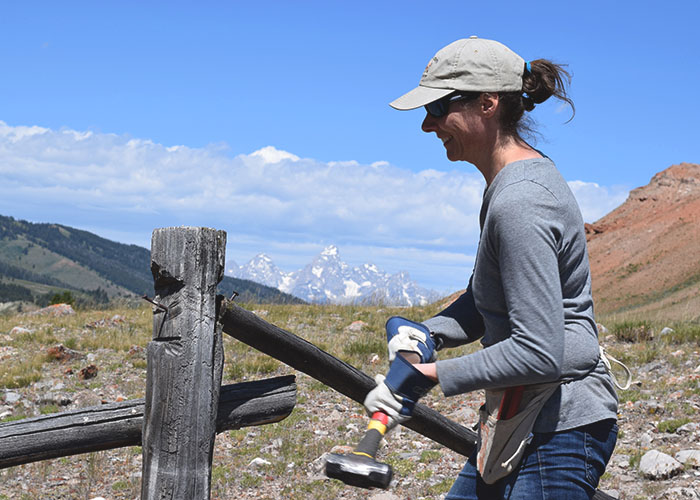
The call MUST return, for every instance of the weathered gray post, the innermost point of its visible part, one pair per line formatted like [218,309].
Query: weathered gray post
[185,360]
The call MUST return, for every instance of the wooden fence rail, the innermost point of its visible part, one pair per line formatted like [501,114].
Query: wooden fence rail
[116,425]
[344,378]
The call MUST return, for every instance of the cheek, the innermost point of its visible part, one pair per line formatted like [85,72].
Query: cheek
[456,122]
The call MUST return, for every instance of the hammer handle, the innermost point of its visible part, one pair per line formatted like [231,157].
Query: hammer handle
[369,444]
[376,429]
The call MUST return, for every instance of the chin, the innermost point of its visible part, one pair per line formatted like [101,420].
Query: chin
[452,157]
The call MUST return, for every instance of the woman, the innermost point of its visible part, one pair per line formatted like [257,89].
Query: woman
[529,297]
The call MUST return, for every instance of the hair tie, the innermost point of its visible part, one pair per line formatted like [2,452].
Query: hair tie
[528,68]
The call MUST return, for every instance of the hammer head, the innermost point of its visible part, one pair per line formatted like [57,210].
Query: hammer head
[358,470]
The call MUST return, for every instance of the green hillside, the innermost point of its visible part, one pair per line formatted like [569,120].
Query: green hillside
[39,259]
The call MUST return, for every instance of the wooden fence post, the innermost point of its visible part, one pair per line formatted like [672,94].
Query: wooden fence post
[185,361]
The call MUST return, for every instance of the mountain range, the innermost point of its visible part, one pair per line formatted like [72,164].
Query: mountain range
[644,255]
[645,260]
[43,259]
[327,279]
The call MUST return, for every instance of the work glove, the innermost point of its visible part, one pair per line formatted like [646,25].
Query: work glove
[398,392]
[405,335]
[382,399]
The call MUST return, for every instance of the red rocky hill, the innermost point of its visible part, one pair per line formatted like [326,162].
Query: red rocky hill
[645,254]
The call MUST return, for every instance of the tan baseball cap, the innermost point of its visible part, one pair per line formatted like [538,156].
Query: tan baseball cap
[472,65]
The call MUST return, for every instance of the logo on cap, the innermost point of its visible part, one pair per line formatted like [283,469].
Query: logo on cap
[434,59]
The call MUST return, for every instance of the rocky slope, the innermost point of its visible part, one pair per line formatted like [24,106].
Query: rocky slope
[645,255]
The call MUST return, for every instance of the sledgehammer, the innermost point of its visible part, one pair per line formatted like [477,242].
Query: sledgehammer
[360,468]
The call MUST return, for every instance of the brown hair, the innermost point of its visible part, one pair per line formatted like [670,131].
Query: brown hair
[543,80]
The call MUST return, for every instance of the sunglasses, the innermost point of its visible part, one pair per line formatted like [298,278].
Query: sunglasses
[441,107]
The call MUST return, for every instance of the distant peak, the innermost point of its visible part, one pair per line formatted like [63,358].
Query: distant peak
[330,250]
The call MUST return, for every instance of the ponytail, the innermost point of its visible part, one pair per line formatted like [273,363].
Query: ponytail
[542,79]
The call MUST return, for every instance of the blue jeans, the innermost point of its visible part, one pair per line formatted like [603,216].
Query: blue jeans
[556,465]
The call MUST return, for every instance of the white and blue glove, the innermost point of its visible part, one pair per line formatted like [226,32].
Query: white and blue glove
[398,392]
[405,335]
[382,399]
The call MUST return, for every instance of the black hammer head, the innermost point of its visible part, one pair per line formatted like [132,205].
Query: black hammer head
[358,470]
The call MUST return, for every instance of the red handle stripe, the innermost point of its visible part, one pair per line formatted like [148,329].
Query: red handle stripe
[381,417]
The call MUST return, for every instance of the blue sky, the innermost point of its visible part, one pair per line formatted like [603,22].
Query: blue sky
[270,120]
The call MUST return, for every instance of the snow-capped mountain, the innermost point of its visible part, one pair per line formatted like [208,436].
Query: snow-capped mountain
[328,279]
[261,269]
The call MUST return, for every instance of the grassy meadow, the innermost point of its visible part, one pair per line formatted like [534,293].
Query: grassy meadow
[114,341]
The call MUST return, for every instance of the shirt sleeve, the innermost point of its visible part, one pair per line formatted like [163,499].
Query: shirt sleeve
[459,323]
[523,239]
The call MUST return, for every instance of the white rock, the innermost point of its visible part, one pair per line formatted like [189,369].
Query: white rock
[318,466]
[12,397]
[689,457]
[622,461]
[384,495]
[680,493]
[356,326]
[657,465]
[645,440]
[688,428]
[19,329]
[666,331]
[258,462]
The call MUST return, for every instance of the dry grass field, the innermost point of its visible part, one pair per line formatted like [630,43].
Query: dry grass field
[285,460]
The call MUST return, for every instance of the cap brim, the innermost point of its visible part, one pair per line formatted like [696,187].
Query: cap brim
[420,96]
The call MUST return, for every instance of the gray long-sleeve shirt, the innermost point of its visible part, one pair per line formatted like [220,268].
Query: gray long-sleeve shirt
[529,300]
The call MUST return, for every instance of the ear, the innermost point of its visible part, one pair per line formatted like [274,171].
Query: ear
[488,104]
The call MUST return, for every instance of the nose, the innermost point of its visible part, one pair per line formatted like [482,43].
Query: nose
[428,124]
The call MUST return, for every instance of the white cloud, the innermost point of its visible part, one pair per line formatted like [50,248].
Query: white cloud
[596,200]
[270,154]
[268,201]
[15,134]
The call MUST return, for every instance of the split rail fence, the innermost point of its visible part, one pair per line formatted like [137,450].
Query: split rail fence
[185,405]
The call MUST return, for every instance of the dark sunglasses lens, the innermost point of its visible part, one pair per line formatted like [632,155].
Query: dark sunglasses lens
[437,108]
